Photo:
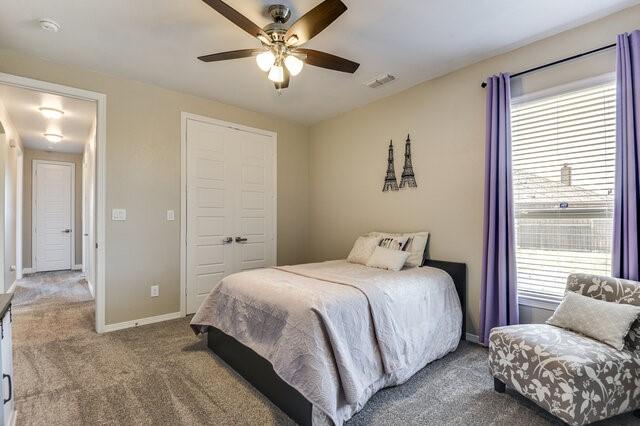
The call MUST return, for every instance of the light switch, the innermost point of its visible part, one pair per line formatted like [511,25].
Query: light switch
[119,214]
[171,215]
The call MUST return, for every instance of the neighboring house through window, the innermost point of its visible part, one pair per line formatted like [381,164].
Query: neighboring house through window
[563,160]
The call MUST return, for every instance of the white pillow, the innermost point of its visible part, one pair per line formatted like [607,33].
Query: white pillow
[417,242]
[608,322]
[415,246]
[363,249]
[390,259]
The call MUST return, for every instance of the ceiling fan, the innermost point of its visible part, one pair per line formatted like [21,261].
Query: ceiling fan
[281,55]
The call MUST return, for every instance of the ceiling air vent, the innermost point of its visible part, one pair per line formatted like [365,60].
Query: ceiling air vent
[380,80]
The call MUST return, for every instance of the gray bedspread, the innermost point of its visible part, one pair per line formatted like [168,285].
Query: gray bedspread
[338,332]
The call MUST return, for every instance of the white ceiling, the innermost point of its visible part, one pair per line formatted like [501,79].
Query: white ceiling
[23,109]
[158,41]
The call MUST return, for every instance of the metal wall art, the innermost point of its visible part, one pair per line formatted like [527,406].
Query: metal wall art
[408,178]
[390,182]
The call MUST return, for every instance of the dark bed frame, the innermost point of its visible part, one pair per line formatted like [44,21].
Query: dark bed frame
[260,373]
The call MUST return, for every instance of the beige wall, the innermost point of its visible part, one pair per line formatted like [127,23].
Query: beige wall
[29,156]
[445,117]
[143,176]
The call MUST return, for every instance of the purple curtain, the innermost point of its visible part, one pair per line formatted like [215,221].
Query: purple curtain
[627,190]
[499,298]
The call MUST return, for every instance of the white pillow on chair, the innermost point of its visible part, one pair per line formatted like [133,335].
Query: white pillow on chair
[384,258]
[608,322]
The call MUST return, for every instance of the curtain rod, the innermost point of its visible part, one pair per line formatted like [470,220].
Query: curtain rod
[550,64]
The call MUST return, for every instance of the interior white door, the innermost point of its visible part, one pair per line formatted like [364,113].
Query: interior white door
[255,202]
[210,201]
[53,218]
[230,204]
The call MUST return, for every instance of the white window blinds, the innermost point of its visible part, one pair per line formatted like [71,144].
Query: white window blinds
[563,159]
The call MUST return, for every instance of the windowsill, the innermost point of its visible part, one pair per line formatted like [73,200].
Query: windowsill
[549,303]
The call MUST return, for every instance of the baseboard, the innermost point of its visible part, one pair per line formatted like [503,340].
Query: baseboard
[92,289]
[26,271]
[12,288]
[76,268]
[472,338]
[142,321]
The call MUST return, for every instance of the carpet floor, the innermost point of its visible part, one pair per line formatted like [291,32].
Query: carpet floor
[161,374]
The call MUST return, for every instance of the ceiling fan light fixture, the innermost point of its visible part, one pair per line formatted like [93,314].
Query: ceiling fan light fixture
[53,137]
[293,64]
[265,60]
[264,39]
[51,113]
[276,74]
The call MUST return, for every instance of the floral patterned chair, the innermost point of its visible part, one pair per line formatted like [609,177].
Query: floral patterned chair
[574,377]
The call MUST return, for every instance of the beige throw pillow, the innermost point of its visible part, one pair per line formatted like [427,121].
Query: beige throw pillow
[363,249]
[608,322]
[415,244]
[384,258]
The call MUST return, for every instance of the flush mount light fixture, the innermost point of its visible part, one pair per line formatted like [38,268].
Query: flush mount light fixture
[49,25]
[51,113]
[281,54]
[53,137]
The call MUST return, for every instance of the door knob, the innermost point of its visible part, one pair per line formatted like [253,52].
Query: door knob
[66,231]
[241,240]
[227,240]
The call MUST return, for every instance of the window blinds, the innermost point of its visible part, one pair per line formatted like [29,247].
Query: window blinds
[563,163]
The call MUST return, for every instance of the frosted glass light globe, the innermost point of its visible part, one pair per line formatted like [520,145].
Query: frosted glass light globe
[276,74]
[265,60]
[294,65]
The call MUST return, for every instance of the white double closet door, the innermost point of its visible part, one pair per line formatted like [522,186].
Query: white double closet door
[231,199]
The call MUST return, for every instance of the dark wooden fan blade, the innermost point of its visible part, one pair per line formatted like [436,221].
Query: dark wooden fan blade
[285,83]
[314,21]
[329,61]
[237,18]
[233,54]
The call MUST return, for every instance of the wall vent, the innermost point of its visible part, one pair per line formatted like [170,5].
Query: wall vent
[380,80]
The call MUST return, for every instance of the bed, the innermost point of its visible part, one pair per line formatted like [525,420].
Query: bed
[320,339]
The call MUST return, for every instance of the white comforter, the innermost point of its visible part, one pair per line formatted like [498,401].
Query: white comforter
[335,331]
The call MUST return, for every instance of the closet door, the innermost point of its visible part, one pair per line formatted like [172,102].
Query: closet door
[211,194]
[255,244]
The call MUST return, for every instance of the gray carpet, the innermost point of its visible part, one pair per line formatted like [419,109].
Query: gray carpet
[66,374]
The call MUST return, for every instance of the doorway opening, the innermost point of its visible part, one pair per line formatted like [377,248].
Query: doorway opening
[52,151]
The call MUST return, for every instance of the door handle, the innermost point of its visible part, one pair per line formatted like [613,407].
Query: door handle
[241,240]
[227,240]
[10,388]
[66,231]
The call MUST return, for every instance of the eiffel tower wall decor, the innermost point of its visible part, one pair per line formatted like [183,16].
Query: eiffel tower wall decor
[408,179]
[390,181]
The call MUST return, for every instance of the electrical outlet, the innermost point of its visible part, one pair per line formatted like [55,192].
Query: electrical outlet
[155,291]
[171,215]
[119,214]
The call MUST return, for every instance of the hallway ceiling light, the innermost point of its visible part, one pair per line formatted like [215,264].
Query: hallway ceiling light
[51,112]
[52,137]
[49,25]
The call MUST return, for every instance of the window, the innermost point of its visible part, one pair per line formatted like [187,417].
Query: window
[563,163]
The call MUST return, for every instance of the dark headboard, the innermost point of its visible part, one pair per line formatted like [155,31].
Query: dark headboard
[458,272]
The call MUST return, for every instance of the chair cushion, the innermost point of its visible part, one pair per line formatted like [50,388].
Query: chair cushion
[576,378]
[611,290]
[607,322]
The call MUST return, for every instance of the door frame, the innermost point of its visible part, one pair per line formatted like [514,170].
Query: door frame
[19,209]
[185,116]
[99,254]
[34,212]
